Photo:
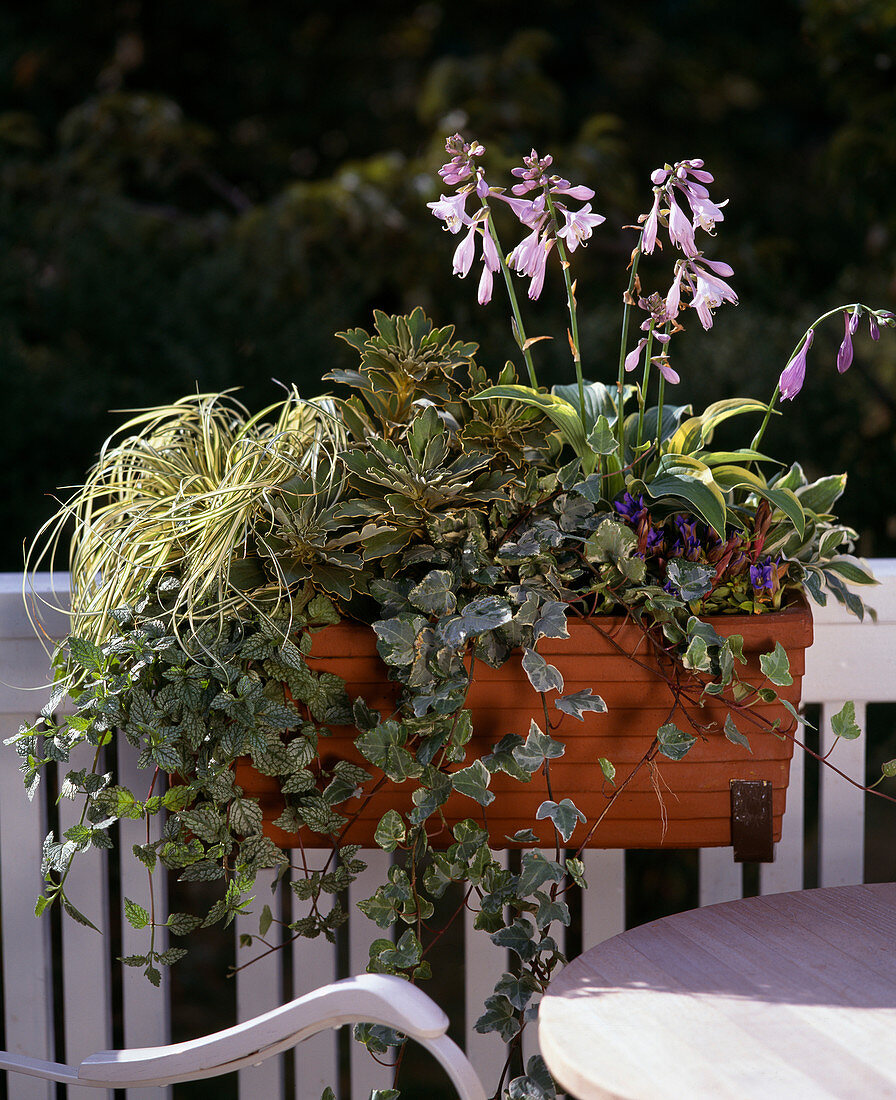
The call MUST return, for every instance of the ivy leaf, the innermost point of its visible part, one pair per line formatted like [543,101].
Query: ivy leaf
[601,440]
[551,622]
[390,831]
[734,735]
[692,579]
[473,782]
[537,748]
[674,742]
[563,814]
[578,702]
[499,1016]
[542,676]
[535,871]
[396,638]
[435,593]
[517,988]
[477,617]
[549,911]
[776,666]
[844,723]
[384,747]
[608,768]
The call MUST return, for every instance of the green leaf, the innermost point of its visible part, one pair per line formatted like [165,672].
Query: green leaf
[674,742]
[561,413]
[473,782]
[844,724]
[435,593]
[137,916]
[734,735]
[542,676]
[390,832]
[738,477]
[601,439]
[86,654]
[776,666]
[563,814]
[578,702]
[181,924]
[691,481]
[607,768]
[888,769]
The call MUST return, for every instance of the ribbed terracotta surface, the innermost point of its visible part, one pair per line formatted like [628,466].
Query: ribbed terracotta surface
[695,794]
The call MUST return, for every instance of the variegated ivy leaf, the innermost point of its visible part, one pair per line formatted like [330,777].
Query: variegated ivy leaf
[502,758]
[551,621]
[578,702]
[542,676]
[517,988]
[473,782]
[499,1016]
[674,742]
[564,815]
[843,723]
[535,871]
[427,799]
[384,747]
[776,666]
[537,748]
[519,937]
[396,638]
[390,831]
[550,910]
[475,618]
[435,593]
[690,578]
[734,734]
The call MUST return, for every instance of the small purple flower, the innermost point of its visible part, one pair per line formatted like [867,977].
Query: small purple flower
[764,576]
[631,508]
[844,355]
[792,377]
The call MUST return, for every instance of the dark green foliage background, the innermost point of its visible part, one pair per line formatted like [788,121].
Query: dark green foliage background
[198,195]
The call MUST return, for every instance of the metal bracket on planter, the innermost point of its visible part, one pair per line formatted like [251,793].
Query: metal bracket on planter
[752,821]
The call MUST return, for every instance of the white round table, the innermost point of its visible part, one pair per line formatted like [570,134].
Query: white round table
[782,997]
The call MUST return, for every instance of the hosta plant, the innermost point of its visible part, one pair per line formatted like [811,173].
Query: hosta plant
[464,513]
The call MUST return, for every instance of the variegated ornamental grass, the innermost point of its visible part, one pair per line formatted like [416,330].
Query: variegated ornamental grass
[464,517]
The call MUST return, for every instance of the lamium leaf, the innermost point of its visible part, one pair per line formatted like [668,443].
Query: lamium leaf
[776,666]
[673,741]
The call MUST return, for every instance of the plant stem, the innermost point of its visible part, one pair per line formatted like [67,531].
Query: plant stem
[520,332]
[571,303]
[645,381]
[620,382]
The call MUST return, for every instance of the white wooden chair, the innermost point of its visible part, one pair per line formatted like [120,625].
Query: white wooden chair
[369,998]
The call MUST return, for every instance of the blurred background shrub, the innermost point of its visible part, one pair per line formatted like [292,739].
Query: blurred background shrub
[197,196]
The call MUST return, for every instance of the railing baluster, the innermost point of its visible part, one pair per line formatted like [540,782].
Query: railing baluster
[841,806]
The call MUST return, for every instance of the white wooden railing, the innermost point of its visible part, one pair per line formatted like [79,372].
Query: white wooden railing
[64,996]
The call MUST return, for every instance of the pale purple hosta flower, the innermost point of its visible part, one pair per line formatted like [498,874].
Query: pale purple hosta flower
[792,377]
[663,366]
[707,289]
[579,224]
[451,209]
[634,356]
[460,167]
[463,254]
[648,234]
[566,191]
[490,263]
[681,232]
[844,355]
[673,298]
[530,258]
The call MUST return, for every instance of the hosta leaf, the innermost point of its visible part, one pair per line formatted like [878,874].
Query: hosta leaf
[561,413]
